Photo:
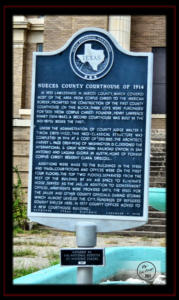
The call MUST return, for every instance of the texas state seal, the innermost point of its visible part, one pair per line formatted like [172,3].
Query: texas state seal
[91,57]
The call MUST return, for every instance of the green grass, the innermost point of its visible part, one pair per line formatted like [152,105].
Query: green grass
[109,235]
[37,231]
[53,258]
[17,230]
[66,233]
[52,255]
[21,253]
[22,272]
[146,238]
[112,242]
[103,235]
[54,262]
[38,244]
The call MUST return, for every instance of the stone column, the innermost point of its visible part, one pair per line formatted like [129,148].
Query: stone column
[20,27]
[120,28]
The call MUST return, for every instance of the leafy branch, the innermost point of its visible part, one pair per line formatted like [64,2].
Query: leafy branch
[19,207]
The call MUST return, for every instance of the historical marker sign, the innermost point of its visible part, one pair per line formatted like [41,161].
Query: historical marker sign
[83,257]
[90,134]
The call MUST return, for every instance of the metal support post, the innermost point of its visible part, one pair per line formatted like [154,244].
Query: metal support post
[85,237]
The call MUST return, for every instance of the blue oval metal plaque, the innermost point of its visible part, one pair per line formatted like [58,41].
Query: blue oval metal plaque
[90,134]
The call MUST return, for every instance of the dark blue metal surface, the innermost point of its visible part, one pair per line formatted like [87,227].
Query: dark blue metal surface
[56,69]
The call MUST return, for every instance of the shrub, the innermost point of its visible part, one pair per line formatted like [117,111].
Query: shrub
[19,207]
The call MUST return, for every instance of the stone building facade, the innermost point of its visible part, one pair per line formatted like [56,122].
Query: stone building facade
[47,33]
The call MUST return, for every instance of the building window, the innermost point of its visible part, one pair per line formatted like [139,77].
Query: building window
[39,47]
[159,81]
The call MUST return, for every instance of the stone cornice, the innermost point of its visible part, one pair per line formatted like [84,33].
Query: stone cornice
[20,22]
[28,26]
[37,27]
[21,25]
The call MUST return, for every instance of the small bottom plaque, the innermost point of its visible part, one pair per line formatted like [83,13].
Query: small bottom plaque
[81,257]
